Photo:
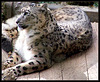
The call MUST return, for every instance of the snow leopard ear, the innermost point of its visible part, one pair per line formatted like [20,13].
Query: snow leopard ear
[44,6]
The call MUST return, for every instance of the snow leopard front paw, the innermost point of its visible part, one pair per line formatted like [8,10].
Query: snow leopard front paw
[8,74]
[5,65]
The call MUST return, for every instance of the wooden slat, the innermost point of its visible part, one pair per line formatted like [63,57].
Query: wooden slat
[53,73]
[74,68]
[92,55]
[33,76]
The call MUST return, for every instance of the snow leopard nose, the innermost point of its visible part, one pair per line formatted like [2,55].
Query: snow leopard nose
[17,21]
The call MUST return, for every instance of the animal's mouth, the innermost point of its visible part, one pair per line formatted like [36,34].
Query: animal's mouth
[22,26]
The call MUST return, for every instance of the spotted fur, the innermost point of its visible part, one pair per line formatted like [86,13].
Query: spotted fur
[46,37]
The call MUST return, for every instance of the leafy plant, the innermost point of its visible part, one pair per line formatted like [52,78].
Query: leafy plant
[96,4]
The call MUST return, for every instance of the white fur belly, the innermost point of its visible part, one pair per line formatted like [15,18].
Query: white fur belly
[23,50]
[19,46]
[28,55]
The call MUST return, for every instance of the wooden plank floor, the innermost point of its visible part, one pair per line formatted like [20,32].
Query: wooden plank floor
[82,66]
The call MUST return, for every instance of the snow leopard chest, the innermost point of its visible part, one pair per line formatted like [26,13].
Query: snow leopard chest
[22,47]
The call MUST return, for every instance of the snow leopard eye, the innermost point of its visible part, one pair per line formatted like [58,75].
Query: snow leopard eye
[32,4]
[26,12]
